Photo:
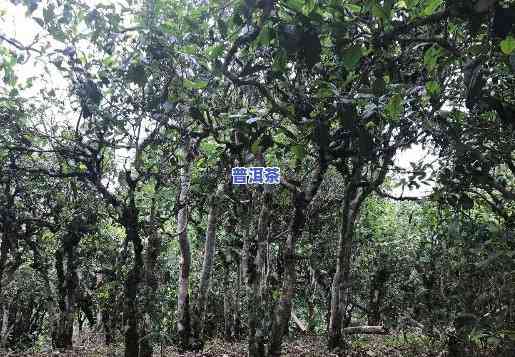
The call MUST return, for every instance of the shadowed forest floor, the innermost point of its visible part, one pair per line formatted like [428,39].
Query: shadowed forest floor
[376,346]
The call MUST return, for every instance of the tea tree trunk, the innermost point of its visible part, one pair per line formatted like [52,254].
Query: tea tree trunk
[183,298]
[341,281]
[207,265]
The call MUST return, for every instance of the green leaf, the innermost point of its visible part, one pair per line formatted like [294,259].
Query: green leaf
[13,92]
[377,10]
[215,51]
[308,6]
[508,45]
[430,7]
[431,57]
[264,38]
[351,57]
[299,151]
[353,7]
[190,49]
[387,7]
[279,61]
[255,148]
[433,88]
[370,125]
[108,61]
[325,92]
[195,84]
[296,5]
[394,108]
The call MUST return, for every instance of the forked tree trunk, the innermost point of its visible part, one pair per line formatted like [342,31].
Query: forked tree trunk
[183,299]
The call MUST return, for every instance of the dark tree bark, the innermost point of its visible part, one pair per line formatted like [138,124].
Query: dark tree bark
[256,298]
[357,189]
[341,280]
[282,310]
[151,278]
[66,264]
[132,309]
[66,286]
[4,249]
[236,329]
[377,293]
[7,232]
[301,200]
[184,328]
[255,334]
[228,303]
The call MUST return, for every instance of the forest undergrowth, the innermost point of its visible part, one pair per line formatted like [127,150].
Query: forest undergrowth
[396,344]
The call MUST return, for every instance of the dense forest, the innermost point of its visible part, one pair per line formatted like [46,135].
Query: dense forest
[389,233]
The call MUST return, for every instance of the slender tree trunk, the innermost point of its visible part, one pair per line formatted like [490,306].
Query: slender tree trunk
[282,310]
[236,329]
[151,281]
[51,304]
[256,298]
[99,277]
[4,249]
[183,299]
[66,263]
[340,288]
[228,303]
[207,265]
[255,335]
[4,327]
[311,302]
[132,313]
[265,266]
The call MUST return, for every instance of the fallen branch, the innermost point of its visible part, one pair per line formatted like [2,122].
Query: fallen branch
[371,330]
